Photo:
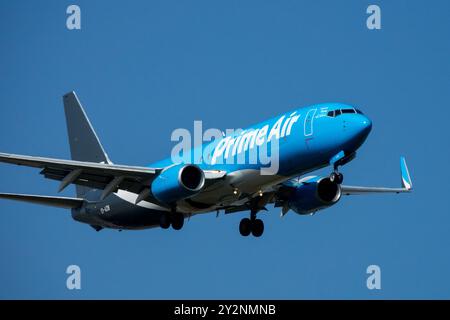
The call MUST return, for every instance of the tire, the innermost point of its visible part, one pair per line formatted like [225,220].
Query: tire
[245,227]
[336,177]
[258,228]
[164,221]
[177,221]
[333,177]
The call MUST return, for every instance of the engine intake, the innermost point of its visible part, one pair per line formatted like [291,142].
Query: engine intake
[178,182]
[313,196]
[327,191]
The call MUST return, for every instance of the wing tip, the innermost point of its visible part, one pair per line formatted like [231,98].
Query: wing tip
[406,178]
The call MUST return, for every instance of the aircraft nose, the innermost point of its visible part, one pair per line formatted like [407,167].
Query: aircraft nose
[366,124]
[356,128]
[362,126]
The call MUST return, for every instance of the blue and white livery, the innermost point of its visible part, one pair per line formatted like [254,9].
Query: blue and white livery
[227,174]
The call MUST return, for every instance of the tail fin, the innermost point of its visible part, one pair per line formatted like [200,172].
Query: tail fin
[84,143]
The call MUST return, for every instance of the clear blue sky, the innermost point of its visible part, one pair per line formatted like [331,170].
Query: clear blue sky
[144,68]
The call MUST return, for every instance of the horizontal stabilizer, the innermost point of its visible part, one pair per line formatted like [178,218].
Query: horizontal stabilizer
[60,202]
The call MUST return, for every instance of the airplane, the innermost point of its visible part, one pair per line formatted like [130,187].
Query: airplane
[166,193]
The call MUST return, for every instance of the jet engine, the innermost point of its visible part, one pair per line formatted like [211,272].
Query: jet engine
[312,196]
[177,183]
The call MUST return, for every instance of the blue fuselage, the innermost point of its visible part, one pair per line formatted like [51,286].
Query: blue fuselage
[305,139]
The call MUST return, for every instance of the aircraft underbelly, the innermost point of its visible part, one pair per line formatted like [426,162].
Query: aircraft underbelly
[235,187]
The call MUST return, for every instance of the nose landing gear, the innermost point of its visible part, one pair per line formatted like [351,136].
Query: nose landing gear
[336,177]
[338,160]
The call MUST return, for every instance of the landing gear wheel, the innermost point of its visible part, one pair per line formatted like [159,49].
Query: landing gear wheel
[164,221]
[336,177]
[257,228]
[177,221]
[245,227]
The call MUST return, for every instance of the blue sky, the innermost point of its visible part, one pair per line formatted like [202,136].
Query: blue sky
[146,68]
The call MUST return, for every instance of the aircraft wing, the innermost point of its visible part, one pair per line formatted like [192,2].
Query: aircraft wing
[406,184]
[284,190]
[101,176]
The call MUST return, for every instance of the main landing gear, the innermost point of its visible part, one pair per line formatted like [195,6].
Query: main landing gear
[252,225]
[174,219]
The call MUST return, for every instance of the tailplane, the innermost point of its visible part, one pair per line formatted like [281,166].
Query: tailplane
[60,202]
[84,142]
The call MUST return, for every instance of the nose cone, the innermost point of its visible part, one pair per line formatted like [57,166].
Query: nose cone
[357,129]
[364,125]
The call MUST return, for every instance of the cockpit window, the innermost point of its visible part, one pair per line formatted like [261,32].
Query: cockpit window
[338,112]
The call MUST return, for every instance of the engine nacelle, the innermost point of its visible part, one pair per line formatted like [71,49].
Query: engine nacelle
[177,183]
[313,196]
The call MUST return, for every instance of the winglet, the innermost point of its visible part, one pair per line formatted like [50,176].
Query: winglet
[406,178]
